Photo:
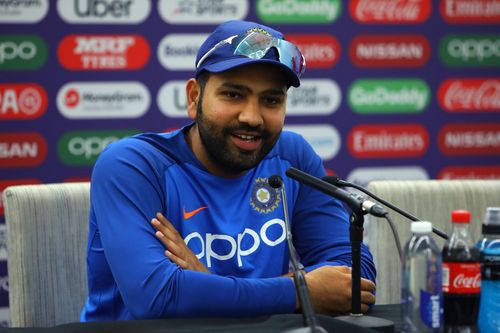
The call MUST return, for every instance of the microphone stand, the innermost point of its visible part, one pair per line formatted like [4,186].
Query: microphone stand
[356,221]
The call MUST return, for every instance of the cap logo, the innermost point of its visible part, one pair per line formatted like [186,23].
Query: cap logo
[259,30]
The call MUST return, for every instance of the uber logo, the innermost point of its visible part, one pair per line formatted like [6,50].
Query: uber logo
[104,11]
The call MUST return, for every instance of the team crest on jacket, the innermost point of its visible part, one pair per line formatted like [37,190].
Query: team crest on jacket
[264,198]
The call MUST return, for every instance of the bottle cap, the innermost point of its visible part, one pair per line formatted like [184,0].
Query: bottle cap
[421,227]
[491,224]
[460,216]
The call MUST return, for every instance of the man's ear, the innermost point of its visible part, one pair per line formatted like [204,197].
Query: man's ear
[193,96]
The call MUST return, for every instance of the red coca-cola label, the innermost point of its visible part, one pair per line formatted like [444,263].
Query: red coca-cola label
[390,11]
[461,277]
[470,95]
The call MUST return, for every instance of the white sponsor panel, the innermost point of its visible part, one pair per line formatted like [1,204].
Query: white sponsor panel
[171,99]
[202,11]
[3,240]
[104,11]
[314,97]
[362,176]
[325,139]
[23,11]
[178,51]
[98,100]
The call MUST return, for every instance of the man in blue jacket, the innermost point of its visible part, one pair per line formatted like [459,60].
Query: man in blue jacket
[185,223]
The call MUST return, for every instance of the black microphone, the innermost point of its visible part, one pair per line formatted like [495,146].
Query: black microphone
[352,200]
[309,316]
[336,181]
[356,317]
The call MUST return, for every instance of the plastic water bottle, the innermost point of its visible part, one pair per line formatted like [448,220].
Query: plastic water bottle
[489,306]
[421,292]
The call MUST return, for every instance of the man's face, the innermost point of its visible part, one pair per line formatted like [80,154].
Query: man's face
[240,117]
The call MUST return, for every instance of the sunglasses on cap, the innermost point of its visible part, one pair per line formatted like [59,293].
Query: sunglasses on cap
[255,45]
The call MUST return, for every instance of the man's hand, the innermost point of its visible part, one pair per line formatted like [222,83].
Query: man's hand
[177,250]
[330,288]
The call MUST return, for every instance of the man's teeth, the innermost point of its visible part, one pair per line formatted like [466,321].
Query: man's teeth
[246,137]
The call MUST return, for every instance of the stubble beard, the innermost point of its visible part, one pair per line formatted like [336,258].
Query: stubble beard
[216,141]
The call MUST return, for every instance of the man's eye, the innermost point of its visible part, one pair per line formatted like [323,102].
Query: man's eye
[272,101]
[231,94]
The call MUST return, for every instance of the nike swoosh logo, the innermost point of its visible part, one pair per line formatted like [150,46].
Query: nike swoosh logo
[188,215]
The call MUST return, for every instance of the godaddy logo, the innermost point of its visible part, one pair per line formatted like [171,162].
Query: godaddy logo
[22,52]
[389,96]
[299,11]
[83,147]
[470,50]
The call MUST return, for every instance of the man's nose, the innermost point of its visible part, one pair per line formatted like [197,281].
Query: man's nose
[251,114]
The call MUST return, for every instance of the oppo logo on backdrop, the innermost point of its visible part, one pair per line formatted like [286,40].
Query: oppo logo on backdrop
[104,11]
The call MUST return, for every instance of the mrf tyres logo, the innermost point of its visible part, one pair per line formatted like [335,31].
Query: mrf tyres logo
[22,101]
[470,11]
[470,95]
[390,11]
[78,148]
[389,96]
[23,11]
[470,139]
[389,51]
[103,52]
[299,11]
[388,140]
[104,11]
[22,52]
[202,11]
[470,50]
[22,149]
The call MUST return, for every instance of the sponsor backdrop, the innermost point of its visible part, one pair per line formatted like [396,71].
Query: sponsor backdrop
[405,89]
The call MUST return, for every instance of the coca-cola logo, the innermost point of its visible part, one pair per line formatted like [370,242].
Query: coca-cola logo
[468,282]
[467,11]
[470,95]
[469,172]
[320,51]
[390,11]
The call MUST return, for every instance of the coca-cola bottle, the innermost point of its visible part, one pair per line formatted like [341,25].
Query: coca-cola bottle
[461,277]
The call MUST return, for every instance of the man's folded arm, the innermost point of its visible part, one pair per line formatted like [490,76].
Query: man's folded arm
[125,198]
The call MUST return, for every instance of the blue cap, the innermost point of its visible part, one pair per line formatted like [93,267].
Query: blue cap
[223,58]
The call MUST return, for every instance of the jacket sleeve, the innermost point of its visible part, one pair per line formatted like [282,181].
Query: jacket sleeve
[126,193]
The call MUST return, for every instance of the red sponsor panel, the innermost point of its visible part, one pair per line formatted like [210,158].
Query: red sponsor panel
[470,95]
[320,51]
[389,50]
[22,101]
[388,141]
[470,172]
[103,52]
[11,182]
[390,11]
[470,139]
[470,11]
[22,149]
